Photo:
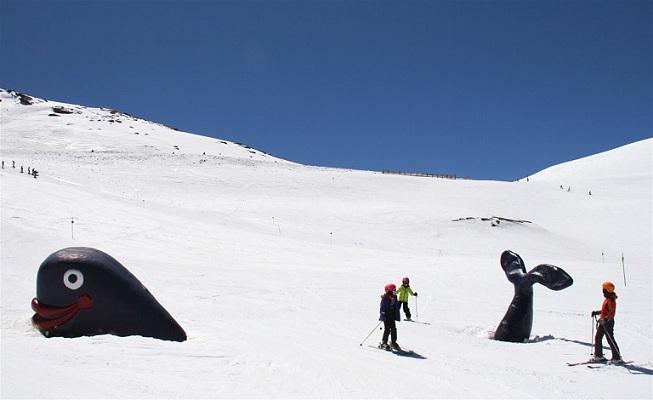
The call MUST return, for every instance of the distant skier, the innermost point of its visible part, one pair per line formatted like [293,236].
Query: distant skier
[605,325]
[389,315]
[403,293]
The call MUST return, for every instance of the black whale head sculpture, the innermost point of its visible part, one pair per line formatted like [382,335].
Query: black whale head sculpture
[518,321]
[82,291]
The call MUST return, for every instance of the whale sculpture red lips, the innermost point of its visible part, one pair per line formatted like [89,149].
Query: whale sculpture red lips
[48,317]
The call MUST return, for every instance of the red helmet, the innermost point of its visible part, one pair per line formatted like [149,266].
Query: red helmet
[390,287]
[405,280]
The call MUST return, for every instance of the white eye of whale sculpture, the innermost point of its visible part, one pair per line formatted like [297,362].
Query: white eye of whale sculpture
[73,279]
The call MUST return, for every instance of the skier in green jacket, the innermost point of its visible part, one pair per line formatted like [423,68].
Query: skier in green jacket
[403,293]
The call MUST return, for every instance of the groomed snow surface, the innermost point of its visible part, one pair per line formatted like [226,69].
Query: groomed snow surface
[275,269]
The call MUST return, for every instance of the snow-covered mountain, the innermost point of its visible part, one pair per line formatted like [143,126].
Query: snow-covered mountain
[85,129]
[632,161]
[274,269]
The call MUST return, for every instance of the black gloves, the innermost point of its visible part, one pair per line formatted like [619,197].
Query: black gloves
[415,293]
[595,313]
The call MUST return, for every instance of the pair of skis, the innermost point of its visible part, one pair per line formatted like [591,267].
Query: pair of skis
[599,364]
[399,351]
[417,322]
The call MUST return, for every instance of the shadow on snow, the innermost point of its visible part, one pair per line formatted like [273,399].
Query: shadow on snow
[637,370]
[538,339]
[400,353]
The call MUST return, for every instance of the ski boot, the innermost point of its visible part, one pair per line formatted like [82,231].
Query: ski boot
[383,346]
[395,346]
[598,359]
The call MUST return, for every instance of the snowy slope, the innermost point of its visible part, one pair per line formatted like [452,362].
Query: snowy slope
[274,269]
[624,174]
[632,161]
[102,130]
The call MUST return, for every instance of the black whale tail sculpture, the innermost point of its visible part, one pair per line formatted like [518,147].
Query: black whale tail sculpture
[518,321]
[82,291]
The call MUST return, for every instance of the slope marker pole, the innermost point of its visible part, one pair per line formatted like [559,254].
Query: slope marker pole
[623,268]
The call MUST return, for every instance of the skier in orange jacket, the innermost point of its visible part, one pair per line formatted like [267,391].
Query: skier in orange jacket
[605,325]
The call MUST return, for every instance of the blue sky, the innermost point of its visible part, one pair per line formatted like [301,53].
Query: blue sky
[480,89]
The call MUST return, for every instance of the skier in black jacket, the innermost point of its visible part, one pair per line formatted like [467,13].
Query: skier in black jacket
[389,315]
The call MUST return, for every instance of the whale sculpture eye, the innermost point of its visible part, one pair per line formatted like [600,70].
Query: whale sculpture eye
[73,279]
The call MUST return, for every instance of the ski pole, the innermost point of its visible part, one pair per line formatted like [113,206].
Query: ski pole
[416,310]
[611,342]
[592,337]
[370,334]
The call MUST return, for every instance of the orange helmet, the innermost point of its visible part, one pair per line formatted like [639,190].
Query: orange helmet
[608,286]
